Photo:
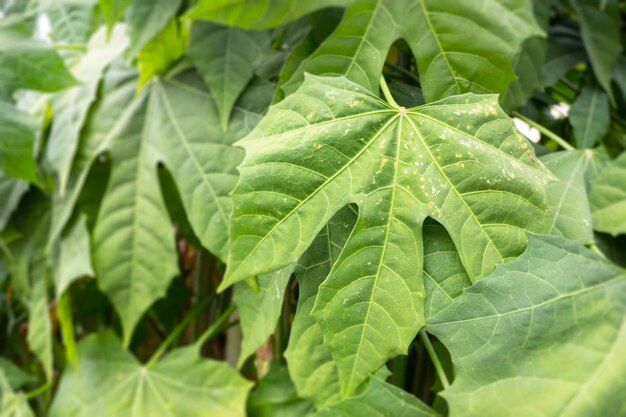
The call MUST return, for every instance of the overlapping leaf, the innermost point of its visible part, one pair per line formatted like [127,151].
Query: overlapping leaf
[514,336]
[174,122]
[146,18]
[590,116]
[109,381]
[333,143]
[71,107]
[227,58]
[311,364]
[570,215]
[436,31]
[608,198]
[600,27]
[450,64]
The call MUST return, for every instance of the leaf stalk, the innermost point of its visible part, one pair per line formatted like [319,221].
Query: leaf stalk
[436,362]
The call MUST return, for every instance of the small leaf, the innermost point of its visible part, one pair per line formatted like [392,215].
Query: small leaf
[113,11]
[590,116]
[158,55]
[146,19]
[109,381]
[227,58]
[600,30]
[514,335]
[608,198]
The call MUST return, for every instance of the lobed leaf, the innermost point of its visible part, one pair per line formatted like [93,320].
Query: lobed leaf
[333,143]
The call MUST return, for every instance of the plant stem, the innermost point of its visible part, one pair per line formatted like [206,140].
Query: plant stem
[216,327]
[64,312]
[597,250]
[385,88]
[178,330]
[433,356]
[562,142]
[38,391]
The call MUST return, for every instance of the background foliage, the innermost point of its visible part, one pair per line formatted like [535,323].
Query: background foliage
[219,207]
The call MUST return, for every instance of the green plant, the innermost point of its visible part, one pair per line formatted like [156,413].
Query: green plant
[321,208]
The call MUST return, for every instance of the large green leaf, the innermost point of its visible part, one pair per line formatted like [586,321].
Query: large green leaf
[449,63]
[133,239]
[380,399]
[259,309]
[570,215]
[311,365]
[146,18]
[254,14]
[17,140]
[600,29]
[590,116]
[514,336]
[109,382]
[333,143]
[608,198]
[174,122]
[29,64]
[227,58]
[71,106]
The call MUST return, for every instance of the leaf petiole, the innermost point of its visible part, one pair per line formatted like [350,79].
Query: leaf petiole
[385,89]
[562,142]
[436,362]
[178,330]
